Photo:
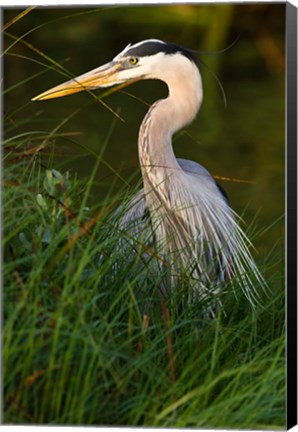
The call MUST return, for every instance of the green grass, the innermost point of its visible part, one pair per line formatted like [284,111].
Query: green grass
[77,347]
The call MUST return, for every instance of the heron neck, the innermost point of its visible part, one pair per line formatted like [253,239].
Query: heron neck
[167,116]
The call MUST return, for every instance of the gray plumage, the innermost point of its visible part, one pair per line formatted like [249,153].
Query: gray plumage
[180,211]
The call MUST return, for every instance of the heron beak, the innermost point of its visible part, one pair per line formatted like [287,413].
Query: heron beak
[103,76]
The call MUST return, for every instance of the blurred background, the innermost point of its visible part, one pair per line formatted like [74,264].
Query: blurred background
[243,45]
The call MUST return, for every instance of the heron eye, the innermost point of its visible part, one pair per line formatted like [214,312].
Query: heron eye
[133,60]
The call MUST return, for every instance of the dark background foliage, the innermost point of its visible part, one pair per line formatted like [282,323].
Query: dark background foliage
[244,140]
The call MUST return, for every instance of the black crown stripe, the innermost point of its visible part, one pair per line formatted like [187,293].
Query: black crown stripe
[150,48]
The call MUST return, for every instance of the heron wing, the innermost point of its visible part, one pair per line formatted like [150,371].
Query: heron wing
[192,167]
[137,211]
[134,218]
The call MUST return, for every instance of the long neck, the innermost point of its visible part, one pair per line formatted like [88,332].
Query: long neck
[167,116]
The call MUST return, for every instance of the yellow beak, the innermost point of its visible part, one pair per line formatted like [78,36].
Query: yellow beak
[103,76]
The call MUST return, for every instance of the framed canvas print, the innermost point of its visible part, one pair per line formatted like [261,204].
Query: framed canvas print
[149,215]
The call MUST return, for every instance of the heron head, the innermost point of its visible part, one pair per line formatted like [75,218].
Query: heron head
[149,59]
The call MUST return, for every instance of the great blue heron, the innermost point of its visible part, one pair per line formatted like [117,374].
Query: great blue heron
[194,227]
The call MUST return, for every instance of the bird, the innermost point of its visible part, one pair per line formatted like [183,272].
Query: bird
[188,215]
